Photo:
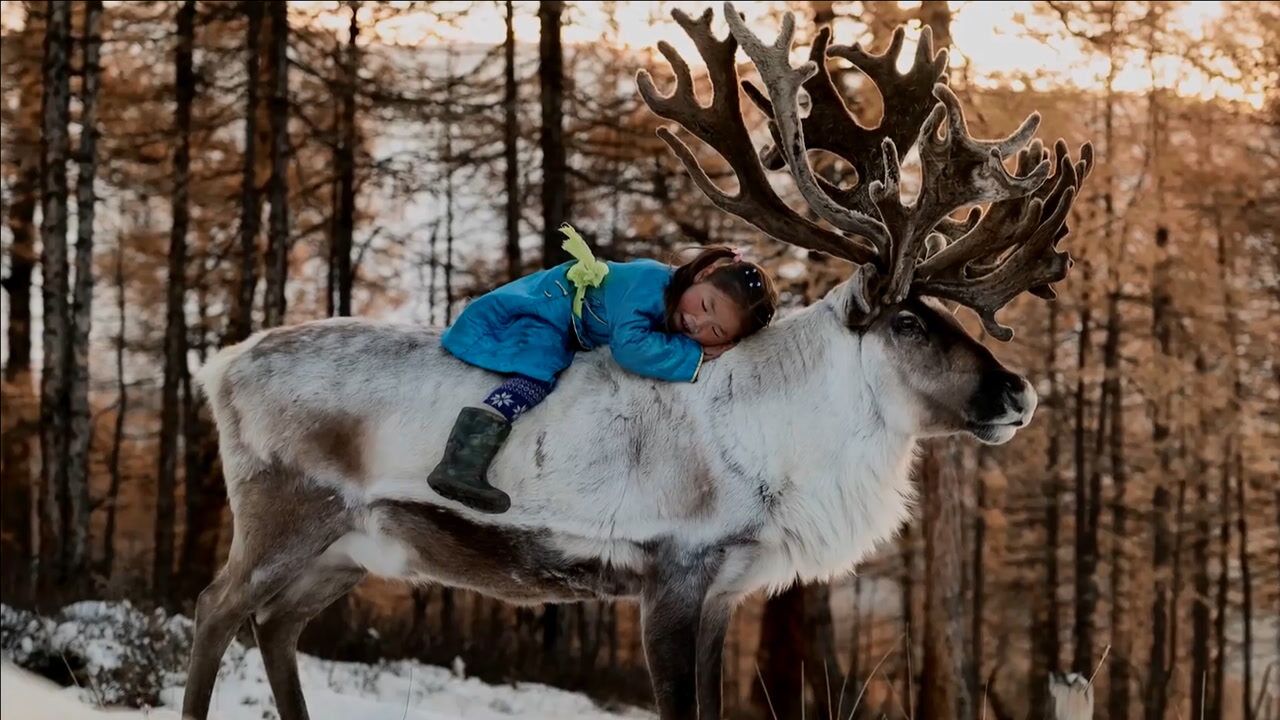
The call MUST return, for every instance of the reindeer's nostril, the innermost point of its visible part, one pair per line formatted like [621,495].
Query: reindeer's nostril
[1015,395]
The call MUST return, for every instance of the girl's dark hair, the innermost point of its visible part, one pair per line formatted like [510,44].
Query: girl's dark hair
[746,283]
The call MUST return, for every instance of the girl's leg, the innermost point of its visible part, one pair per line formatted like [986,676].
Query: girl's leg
[517,395]
[477,436]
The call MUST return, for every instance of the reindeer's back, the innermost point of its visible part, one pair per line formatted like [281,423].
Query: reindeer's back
[367,407]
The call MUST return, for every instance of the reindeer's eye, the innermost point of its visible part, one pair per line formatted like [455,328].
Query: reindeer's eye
[908,325]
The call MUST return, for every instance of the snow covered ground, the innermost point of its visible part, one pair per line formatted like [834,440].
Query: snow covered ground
[119,652]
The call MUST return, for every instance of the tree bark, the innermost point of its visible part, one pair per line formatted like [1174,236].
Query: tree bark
[1200,574]
[781,655]
[1121,637]
[19,419]
[278,186]
[1246,584]
[344,227]
[175,339]
[250,197]
[81,430]
[447,158]
[906,582]
[1216,699]
[1086,538]
[1045,644]
[976,638]
[56,336]
[943,677]
[122,411]
[206,496]
[555,203]
[1156,678]
[511,130]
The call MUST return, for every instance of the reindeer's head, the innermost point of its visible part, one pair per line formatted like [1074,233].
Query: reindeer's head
[909,256]
[935,379]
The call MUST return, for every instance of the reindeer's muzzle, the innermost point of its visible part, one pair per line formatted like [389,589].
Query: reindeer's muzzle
[1003,404]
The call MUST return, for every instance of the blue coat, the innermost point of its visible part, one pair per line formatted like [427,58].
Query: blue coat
[527,327]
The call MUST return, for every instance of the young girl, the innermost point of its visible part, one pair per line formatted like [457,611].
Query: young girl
[660,322]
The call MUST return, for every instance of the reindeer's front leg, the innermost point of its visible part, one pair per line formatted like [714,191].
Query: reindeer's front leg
[684,638]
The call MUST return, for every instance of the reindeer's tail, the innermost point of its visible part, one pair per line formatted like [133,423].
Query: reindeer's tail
[212,376]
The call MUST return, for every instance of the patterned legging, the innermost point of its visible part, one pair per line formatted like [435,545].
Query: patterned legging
[517,395]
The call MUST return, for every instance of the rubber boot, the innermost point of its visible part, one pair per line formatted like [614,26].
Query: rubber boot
[476,437]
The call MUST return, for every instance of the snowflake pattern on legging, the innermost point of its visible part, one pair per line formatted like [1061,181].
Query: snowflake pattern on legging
[517,395]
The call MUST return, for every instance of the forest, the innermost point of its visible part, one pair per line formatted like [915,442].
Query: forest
[178,175]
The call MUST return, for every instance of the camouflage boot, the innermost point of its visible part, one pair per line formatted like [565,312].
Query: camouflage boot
[476,437]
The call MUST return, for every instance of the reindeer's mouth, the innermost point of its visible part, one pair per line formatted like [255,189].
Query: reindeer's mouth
[996,433]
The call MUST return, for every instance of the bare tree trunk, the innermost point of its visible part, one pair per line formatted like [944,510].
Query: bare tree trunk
[781,655]
[447,159]
[1246,583]
[81,430]
[555,204]
[122,411]
[1121,637]
[1156,679]
[250,197]
[1236,460]
[858,633]
[1179,540]
[20,403]
[1045,647]
[1085,535]
[821,664]
[1215,709]
[906,582]
[432,263]
[943,677]
[175,337]
[344,227]
[206,496]
[1200,573]
[278,187]
[975,673]
[56,336]
[511,130]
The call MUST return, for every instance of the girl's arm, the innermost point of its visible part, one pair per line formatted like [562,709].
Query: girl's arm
[651,353]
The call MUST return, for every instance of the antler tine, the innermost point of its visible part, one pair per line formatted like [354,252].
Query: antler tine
[982,238]
[784,82]
[907,99]
[720,125]
[957,171]
[1033,264]
[1031,226]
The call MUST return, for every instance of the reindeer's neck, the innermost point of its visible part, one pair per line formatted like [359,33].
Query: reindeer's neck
[805,425]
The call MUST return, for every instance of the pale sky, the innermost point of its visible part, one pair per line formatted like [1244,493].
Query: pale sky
[985,33]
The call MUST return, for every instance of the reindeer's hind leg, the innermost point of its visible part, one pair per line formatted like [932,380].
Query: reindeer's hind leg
[278,625]
[282,523]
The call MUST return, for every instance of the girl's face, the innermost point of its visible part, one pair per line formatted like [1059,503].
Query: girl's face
[708,315]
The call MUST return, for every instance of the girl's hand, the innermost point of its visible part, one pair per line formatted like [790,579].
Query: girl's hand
[711,352]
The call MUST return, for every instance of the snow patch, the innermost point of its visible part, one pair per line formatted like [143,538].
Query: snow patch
[108,646]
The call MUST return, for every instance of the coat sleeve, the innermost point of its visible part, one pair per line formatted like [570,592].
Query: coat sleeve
[639,347]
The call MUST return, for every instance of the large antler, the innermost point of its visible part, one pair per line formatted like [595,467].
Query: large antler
[982,262]
[720,125]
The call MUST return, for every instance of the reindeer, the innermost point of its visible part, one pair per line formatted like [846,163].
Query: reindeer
[787,461]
